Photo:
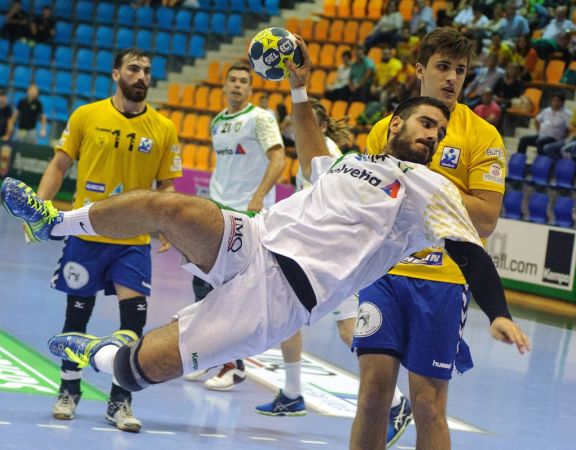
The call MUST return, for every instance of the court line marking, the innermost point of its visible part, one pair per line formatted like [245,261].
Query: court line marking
[263,438]
[159,432]
[5,423]
[47,425]
[113,430]
[314,442]
[212,435]
[31,369]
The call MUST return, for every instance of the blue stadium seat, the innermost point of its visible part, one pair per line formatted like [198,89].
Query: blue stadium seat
[47,103]
[42,55]
[63,57]
[272,7]
[21,77]
[63,83]
[4,49]
[234,25]
[201,23]
[78,102]
[564,173]
[60,110]
[183,19]
[197,46]
[162,43]
[63,34]
[220,5]
[84,60]
[43,79]
[144,17]
[124,38]
[102,87]
[255,6]
[540,170]
[205,4]
[159,68]
[125,15]
[513,205]
[83,85]
[237,6]
[538,207]
[218,23]
[4,75]
[164,18]
[517,167]
[104,62]
[64,9]
[20,53]
[144,40]
[84,11]
[84,35]
[564,212]
[39,6]
[105,13]
[104,37]
[43,140]
[179,43]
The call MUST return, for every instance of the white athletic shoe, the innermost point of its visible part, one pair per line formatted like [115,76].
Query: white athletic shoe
[119,413]
[65,406]
[228,376]
[195,376]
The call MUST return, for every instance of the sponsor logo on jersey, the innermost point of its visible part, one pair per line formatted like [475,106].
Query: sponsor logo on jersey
[361,174]
[450,157]
[392,189]
[495,175]
[441,365]
[117,190]
[194,361]
[236,235]
[175,149]
[176,164]
[95,187]
[75,275]
[497,152]
[369,320]
[239,150]
[430,259]
[145,145]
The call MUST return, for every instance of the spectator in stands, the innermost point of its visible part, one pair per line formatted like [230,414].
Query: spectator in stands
[501,49]
[486,77]
[43,28]
[552,126]
[26,116]
[465,15]
[559,25]
[477,27]
[361,74]
[5,116]
[16,25]
[508,87]
[408,44]
[559,48]
[498,19]
[565,148]
[384,77]
[526,57]
[387,29]
[342,73]
[422,18]
[514,25]
[488,108]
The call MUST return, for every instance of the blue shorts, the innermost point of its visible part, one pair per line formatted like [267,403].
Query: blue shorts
[88,267]
[419,321]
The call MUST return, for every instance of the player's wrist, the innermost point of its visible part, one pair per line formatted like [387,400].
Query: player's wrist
[299,94]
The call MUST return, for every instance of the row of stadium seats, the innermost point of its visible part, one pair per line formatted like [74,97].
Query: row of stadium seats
[544,171]
[336,31]
[360,9]
[538,205]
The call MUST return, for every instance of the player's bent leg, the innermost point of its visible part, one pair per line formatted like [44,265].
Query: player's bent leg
[346,330]
[378,373]
[429,397]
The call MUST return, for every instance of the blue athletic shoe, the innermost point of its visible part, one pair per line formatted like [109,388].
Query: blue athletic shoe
[39,216]
[81,348]
[283,406]
[400,418]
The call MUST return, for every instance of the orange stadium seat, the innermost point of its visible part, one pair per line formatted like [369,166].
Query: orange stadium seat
[341,49]
[214,73]
[329,8]
[539,70]
[327,104]
[339,109]
[354,110]
[176,117]
[327,56]
[187,100]
[173,94]
[212,157]
[306,29]
[535,95]
[330,78]
[336,30]
[437,5]
[285,178]
[554,71]
[364,30]
[187,130]
[359,9]
[283,86]
[201,98]
[314,52]
[321,30]
[165,112]
[294,168]
[405,8]
[375,9]
[270,85]
[350,34]
[224,70]
[317,83]
[202,157]
[274,100]
[257,81]
[343,9]
[375,54]
[256,96]
[215,100]
[361,141]
[292,24]
[202,132]
[188,154]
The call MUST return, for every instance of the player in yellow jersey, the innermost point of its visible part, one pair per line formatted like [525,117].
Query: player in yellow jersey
[423,300]
[120,143]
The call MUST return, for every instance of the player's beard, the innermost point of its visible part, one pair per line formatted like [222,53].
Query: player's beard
[131,93]
[401,148]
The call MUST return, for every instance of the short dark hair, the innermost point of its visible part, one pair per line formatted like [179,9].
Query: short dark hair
[240,66]
[406,107]
[130,52]
[446,41]
[560,95]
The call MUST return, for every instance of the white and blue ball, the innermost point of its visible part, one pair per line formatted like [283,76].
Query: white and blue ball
[269,52]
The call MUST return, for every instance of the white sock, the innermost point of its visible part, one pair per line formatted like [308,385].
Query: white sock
[104,358]
[75,222]
[292,388]
[397,398]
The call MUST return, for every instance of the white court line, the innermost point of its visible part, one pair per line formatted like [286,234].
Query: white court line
[114,430]
[31,369]
[406,448]
[315,442]
[212,435]
[159,432]
[46,425]
[263,438]
[5,423]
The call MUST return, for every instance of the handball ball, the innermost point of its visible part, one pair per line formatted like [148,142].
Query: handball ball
[269,51]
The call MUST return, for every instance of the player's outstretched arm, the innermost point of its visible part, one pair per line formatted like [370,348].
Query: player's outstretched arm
[482,277]
[309,137]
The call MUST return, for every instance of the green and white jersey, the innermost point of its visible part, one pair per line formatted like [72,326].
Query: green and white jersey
[240,142]
[303,183]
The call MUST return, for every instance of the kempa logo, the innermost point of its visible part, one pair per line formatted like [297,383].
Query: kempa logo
[556,277]
[441,364]
[194,361]
[363,174]
[235,239]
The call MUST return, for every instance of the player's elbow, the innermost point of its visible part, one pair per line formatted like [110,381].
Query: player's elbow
[486,228]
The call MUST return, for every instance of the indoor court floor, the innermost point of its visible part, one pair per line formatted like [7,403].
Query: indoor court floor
[506,402]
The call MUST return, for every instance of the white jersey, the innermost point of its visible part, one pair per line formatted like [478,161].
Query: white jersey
[362,215]
[303,183]
[240,142]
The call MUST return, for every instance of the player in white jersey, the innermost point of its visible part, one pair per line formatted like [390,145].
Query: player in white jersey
[249,162]
[279,270]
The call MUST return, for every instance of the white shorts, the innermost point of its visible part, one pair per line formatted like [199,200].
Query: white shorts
[251,309]
[348,309]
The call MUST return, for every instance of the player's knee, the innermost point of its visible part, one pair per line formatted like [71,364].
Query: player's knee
[428,408]
[127,370]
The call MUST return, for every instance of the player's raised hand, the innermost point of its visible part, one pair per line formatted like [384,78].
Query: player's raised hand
[300,74]
[503,329]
